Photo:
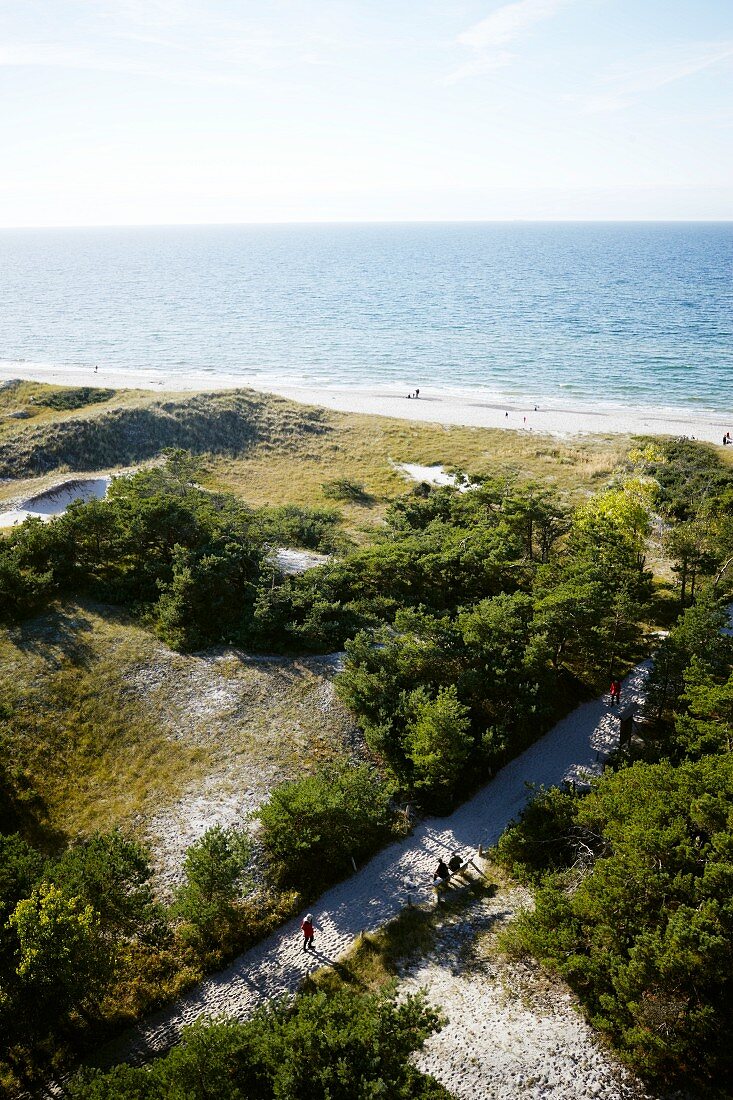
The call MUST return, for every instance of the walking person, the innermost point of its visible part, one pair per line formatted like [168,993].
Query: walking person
[308,929]
[615,692]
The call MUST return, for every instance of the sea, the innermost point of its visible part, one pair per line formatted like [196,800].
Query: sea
[633,314]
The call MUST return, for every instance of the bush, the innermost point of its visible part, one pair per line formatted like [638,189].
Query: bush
[294,525]
[439,742]
[312,828]
[78,397]
[543,841]
[341,488]
[342,1047]
[645,935]
[214,878]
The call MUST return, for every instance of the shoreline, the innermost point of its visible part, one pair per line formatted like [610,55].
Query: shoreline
[466,409]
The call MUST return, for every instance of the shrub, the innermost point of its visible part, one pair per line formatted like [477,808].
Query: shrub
[341,488]
[214,878]
[439,741]
[342,1047]
[313,827]
[645,935]
[66,400]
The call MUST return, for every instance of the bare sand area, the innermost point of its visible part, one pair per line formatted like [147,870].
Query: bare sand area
[54,501]
[471,409]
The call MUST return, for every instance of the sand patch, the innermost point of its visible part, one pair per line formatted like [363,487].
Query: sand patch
[54,502]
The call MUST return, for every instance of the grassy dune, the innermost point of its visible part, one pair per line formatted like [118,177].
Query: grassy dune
[266,449]
[109,726]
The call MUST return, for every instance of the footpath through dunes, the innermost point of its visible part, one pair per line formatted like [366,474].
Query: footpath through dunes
[574,749]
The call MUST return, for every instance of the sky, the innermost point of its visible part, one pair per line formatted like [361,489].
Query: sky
[117,112]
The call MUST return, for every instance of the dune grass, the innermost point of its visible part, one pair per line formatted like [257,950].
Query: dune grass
[88,749]
[366,449]
[268,450]
[108,726]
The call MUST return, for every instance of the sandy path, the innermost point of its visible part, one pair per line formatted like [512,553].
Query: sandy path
[572,749]
[512,1032]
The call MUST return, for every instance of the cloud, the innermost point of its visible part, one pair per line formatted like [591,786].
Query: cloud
[488,39]
[625,84]
[508,23]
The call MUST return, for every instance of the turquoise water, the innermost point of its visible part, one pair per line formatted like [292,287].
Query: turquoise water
[637,314]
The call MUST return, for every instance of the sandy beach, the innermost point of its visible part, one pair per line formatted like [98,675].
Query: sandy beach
[466,408]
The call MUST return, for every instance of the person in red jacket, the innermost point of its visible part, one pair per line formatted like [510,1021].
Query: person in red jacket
[615,692]
[308,930]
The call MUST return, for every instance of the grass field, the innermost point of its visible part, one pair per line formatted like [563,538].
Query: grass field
[272,451]
[110,727]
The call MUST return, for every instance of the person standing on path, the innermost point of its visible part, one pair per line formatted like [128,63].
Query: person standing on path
[615,692]
[308,930]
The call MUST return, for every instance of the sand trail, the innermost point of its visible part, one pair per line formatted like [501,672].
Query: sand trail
[573,750]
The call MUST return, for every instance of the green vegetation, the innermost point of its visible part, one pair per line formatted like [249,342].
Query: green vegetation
[501,605]
[633,881]
[214,870]
[340,1046]
[341,488]
[85,946]
[141,427]
[69,399]
[316,828]
[471,621]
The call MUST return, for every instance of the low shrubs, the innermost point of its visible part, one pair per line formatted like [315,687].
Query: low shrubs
[341,488]
[314,827]
[342,1046]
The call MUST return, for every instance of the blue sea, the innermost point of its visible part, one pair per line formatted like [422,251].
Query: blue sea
[637,314]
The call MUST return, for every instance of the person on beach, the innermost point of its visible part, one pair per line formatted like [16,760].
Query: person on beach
[727,439]
[615,692]
[417,393]
[308,929]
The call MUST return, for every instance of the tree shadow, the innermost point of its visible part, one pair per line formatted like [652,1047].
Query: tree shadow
[56,637]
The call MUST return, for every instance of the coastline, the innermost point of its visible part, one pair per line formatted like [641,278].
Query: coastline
[467,409]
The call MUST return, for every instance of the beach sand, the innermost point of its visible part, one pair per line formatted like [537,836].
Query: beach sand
[551,417]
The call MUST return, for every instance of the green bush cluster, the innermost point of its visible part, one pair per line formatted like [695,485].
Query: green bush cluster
[193,561]
[316,829]
[73,397]
[634,905]
[695,500]
[342,488]
[83,942]
[490,615]
[343,1046]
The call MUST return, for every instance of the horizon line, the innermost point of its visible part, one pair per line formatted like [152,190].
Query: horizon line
[369,221]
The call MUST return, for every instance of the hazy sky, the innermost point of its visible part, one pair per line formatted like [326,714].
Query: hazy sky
[147,111]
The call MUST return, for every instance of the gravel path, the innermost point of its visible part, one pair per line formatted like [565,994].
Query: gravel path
[572,750]
[512,1032]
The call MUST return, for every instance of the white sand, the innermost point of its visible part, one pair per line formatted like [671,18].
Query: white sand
[432,475]
[479,409]
[290,561]
[55,501]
